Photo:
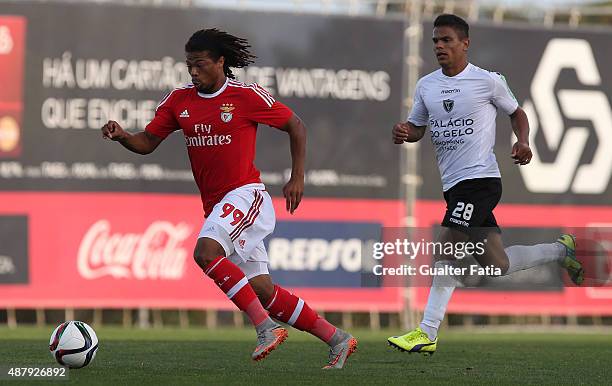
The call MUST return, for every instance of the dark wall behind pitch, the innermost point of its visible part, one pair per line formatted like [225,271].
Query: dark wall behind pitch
[349,153]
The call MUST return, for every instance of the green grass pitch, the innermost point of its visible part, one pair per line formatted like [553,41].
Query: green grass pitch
[222,357]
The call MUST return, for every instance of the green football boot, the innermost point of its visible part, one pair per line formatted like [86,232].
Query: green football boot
[414,341]
[570,263]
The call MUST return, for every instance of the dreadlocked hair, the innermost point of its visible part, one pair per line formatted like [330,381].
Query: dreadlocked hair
[235,50]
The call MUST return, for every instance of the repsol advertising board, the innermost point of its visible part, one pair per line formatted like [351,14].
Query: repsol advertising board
[320,254]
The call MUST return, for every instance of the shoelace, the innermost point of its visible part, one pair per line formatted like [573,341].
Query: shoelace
[332,356]
[415,336]
[333,353]
[261,336]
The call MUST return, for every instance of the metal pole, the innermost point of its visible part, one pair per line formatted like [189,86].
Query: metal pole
[409,154]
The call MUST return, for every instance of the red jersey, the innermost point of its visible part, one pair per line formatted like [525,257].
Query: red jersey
[220,131]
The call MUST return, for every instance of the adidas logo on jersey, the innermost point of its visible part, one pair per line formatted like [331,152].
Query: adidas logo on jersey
[184,114]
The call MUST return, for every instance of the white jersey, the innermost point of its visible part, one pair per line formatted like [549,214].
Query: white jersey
[460,112]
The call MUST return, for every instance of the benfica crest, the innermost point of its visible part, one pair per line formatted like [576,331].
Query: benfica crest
[226,112]
[448,105]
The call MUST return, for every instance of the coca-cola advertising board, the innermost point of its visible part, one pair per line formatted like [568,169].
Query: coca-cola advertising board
[116,250]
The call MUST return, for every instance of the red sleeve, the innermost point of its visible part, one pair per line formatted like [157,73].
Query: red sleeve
[164,122]
[263,108]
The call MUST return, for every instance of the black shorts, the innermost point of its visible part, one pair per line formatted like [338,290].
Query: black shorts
[470,204]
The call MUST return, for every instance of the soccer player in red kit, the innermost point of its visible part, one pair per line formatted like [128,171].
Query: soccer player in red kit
[218,117]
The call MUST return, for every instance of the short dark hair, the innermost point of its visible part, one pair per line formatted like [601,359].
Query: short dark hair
[455,22]
[218,43]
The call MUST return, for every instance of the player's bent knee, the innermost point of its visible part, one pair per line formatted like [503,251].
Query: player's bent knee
[203,260]
[206,251]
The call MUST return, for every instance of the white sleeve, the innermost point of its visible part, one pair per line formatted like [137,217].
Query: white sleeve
[419,116]
[502,96]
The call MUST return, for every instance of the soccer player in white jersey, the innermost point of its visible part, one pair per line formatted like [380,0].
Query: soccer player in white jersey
[459,103]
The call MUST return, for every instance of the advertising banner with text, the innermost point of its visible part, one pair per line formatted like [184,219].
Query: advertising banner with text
[86,223]
[67,73]
[115,250]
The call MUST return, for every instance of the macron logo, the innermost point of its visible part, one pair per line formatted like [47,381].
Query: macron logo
[184,114]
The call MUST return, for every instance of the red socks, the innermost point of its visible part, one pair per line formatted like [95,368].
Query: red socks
[235,285]
[292,310]
[283,306]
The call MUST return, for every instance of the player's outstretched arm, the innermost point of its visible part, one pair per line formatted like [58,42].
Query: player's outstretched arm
[294,189]
[407,132]
[141,142]
[521,152]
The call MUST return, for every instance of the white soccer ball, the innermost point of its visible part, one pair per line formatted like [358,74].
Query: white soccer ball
[73,344]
